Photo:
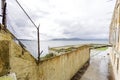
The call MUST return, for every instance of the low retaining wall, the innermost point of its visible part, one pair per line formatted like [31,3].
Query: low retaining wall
[64,67]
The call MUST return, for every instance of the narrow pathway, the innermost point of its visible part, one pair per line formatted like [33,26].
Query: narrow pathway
[98,68]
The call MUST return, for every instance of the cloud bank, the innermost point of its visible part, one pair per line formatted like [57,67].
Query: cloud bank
[86,19]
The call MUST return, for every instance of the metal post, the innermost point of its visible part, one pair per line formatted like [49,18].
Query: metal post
[4,16]
[38,36]
[37,27]
[3,5]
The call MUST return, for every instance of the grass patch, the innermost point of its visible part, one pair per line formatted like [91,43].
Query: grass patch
[102,48]
[47,56]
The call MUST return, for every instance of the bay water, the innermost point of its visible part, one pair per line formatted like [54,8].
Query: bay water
[31,45]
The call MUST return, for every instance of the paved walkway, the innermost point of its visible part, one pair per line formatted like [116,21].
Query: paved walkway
[98,69]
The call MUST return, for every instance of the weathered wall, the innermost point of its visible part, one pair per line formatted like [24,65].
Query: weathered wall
[4,52]
[114,58]
[18,59]
[5,35]
[115,41]
[22,63]
[63,67]
[4,57]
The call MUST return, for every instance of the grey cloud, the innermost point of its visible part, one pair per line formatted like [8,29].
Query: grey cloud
[81,27]
[109,0]
[75,28]
[21,22]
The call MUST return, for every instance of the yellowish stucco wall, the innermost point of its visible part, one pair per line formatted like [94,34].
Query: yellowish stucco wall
[114,39]
[23,64]
[4,57]
[61,67]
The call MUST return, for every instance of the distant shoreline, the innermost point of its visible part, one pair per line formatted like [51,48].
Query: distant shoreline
[67,40]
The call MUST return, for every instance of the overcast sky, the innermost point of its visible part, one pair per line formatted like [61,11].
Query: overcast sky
[86,19]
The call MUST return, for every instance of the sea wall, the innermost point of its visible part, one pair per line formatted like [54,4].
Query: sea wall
[15,59]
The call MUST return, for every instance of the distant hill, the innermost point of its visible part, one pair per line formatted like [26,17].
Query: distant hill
[78,39]
[25,39]
[66,39]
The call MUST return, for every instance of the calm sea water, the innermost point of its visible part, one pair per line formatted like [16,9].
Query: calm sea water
[31,46]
